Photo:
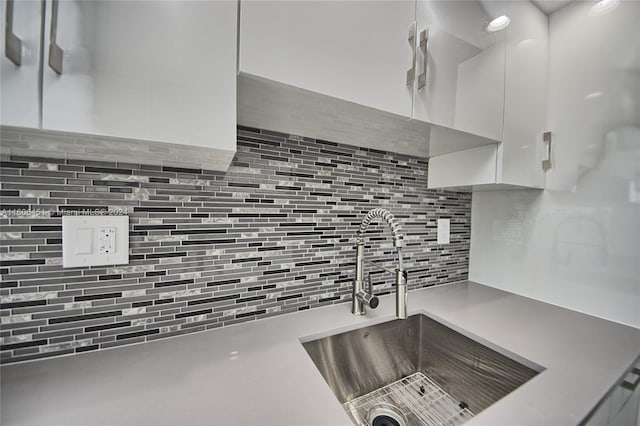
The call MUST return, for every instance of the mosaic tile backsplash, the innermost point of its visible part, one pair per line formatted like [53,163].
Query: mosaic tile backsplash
[272,235]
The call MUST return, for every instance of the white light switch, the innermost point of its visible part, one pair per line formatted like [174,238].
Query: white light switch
[84,240]
[95,240]
[443,231]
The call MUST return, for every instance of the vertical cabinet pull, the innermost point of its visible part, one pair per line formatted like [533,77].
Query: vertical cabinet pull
[424,43]
[546,162]
[56,54]
[632,386]
[12,43]
[411,73]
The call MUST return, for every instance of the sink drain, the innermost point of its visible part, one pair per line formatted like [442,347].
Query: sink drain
[386,415]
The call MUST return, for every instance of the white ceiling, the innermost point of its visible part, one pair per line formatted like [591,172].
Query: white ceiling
[550,6]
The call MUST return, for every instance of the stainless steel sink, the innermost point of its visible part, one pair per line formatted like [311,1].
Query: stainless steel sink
[419,370]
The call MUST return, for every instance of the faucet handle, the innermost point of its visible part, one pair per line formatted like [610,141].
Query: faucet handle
[373,300]
[367,297]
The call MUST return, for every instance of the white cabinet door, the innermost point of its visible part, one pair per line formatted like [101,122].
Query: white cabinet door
[352,50]
[527,66]
[19,90]
[465,68]
[152,70]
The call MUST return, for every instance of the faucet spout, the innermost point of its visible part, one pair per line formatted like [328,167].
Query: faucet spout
[389,218]
[401,292]
[363,297]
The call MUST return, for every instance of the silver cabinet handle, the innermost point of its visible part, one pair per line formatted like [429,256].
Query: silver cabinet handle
[12,43]
[411,73]
[632,385]
[56,54]
[546,162]
[424,46]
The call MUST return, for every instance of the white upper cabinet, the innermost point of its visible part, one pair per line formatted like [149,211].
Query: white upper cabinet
[158,70]
[516,159]
[461,66]
[154,71]
[478,73]
[357,51]
[371,53]
[20,41]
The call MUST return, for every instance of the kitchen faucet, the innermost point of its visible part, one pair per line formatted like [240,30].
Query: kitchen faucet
[364,297]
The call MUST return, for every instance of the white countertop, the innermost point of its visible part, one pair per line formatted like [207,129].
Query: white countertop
[258,373]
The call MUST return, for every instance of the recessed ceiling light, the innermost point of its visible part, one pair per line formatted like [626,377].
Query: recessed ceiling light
[499,23]
[604,6]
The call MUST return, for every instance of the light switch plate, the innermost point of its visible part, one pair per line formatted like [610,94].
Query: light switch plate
[444,231]
[95,240]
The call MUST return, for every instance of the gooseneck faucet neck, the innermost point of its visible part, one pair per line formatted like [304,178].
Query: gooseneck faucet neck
[389,218]
[362,297]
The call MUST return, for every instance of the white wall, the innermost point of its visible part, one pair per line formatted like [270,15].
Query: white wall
[577,244]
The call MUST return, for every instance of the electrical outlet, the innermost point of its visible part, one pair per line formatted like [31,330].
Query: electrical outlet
[107,243]
[95,240]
